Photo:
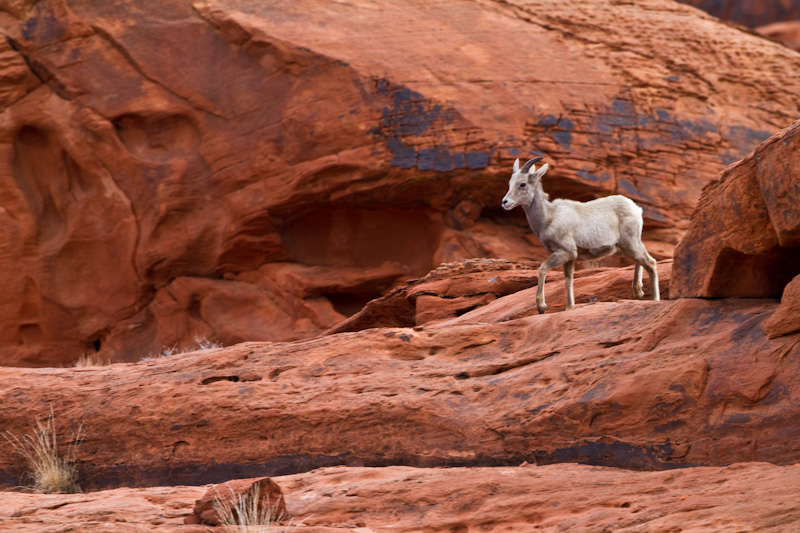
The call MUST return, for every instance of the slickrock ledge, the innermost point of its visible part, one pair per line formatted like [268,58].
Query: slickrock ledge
[458,289]
[558,498]
[634,384]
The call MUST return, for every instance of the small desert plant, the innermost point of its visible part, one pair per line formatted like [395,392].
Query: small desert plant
[205,344]
[165,352]
[89,360]
[200,342]
[244,513]
[49,471]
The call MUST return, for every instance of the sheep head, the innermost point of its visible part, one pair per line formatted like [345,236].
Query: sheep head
[521,186]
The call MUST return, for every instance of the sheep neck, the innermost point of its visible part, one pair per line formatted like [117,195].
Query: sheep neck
[538,211]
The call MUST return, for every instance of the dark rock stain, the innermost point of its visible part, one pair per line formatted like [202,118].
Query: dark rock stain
[412,115]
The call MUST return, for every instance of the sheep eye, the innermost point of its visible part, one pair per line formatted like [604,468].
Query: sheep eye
[522,185]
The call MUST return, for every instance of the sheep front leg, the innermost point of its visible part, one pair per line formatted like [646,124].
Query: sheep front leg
[638,292]
[555,260]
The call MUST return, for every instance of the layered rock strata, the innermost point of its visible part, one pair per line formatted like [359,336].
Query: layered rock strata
[744,236]
[149,198]
[455,289]
[742,497]
[635,384]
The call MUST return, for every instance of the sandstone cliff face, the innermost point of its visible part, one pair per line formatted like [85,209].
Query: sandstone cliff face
[317,155]
[775,20]
[787,33]
[744,237]
[661,395]
[149,199]
[750,13]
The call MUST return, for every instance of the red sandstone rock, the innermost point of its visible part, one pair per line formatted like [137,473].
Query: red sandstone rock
[122,509]
[549,498]
[786,319]
[576,498]
[633,384]
[590,286]
[446,292]
[744,237]
[232,493]
[458,288]
[787,32]
[749,12]
[155,157]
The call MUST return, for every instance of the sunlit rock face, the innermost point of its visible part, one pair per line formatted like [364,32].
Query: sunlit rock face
[744,237]
[247,171]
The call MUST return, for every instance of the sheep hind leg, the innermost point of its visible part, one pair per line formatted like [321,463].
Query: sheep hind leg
[645,260]
[652,271]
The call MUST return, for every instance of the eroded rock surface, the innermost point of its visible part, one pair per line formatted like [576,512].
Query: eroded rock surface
[744,237]
[158,159]
[786,319]
[750,12]
[787,32]
[633,384]
[261,497]
[575,498]
[456,289]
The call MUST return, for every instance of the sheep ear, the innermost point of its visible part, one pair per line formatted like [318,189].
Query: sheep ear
[539,173]
[516,165]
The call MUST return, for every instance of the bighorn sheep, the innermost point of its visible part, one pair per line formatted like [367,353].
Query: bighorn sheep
[572,230]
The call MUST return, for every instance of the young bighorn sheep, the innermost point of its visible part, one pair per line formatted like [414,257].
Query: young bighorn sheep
[572,230]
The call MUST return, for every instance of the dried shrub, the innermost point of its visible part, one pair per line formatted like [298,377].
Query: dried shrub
[245,512]
[88,360]
[49,470]
[200,342]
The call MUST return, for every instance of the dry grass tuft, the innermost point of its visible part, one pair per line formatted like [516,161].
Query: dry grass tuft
[88,360]
[242,513]
[200,342]
[205,344]
[48,470]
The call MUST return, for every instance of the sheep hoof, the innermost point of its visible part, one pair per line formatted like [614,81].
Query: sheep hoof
[542,308]
[638,293]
